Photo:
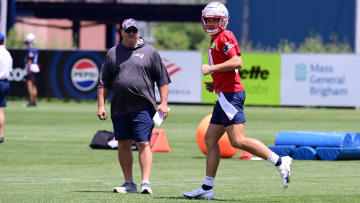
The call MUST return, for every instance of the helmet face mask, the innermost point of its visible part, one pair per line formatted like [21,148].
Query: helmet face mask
[214,17]
[213,25]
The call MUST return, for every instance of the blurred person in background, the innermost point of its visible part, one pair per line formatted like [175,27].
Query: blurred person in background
[228,113]
[31,68]
[131,70]
[6,63]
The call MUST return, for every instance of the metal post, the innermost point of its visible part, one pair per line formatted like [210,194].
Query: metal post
[110,35]
[245,23]
[76,33]
[3,16]
[357,27]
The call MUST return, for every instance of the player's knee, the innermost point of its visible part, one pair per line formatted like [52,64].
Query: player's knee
[210,141]
[238,142]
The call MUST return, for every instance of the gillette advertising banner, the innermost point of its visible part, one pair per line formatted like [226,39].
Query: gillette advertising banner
[260,76]
[320,80]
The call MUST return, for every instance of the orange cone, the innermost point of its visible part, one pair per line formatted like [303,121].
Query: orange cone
[158,141]
[245,155]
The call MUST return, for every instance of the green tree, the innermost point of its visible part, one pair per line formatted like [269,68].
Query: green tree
[14,40]
[190,36]
[285,46]
[180,36]
[336,46]
[312,44]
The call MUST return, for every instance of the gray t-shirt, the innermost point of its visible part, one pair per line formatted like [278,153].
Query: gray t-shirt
[131,74]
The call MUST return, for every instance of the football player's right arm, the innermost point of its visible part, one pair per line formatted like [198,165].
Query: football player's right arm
[233,63]
[102,94]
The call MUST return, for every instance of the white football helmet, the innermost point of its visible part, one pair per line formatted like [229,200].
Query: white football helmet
[215,10]
[30,38]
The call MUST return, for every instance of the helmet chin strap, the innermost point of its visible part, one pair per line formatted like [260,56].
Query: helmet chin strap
[214,31]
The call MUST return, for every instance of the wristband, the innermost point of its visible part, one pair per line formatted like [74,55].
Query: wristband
[210,71]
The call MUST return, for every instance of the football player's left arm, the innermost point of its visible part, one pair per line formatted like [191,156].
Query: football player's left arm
[235,62]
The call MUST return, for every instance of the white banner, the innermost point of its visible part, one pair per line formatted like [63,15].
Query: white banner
[184,68]
[320,80]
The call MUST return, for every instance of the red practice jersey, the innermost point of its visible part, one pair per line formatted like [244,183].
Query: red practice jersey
[222,48]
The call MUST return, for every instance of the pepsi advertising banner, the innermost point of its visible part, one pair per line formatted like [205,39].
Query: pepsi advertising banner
[63,74]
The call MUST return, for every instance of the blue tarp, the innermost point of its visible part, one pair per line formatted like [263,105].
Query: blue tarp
[284,150]
[332,153]
[314,139]
[305,153]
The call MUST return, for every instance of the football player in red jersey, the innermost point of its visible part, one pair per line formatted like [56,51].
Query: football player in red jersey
[228,113]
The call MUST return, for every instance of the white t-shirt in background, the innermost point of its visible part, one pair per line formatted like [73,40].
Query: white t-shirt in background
[6,63]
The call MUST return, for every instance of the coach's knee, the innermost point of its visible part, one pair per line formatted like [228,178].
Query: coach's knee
[143,145]
[124,144]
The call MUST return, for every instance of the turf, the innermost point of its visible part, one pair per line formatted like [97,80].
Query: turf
[46,158]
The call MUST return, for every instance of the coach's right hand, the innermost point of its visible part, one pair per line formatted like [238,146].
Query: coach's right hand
[102,113]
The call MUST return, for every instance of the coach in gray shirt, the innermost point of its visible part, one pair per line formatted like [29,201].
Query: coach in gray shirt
[131,70]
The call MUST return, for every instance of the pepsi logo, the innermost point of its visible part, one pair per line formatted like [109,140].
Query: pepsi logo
[84,74]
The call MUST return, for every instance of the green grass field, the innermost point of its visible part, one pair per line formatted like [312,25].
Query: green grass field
[46,158]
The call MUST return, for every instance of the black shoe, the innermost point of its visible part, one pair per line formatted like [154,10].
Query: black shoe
[31,104]
[1,139]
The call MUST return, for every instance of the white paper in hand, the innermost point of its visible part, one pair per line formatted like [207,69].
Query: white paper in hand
[158,117]
[113,143]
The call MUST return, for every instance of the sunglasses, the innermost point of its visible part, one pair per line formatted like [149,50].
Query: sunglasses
[131,29]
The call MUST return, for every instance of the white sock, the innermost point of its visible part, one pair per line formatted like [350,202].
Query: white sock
[209,181]
[145,181]
[273,158]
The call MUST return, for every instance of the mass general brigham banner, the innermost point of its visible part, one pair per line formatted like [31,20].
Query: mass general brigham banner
[320,80]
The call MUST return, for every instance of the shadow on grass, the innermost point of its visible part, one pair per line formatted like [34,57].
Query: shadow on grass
[91,191]
[198,157]
[185,198]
